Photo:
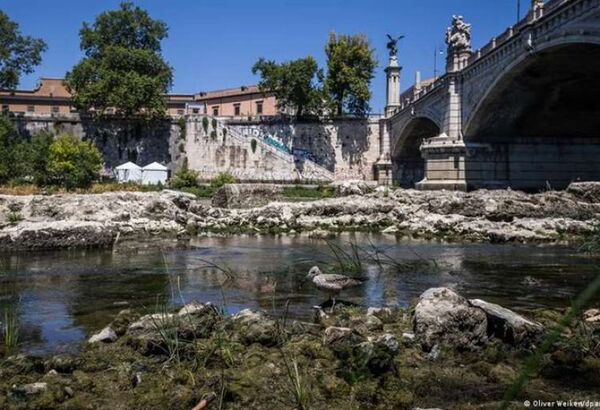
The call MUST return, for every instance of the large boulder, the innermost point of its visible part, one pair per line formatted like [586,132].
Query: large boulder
[239,196]
[353,187]
[587,191]
[509,326]
[443,316]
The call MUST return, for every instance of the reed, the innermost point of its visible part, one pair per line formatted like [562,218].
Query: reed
[10,327]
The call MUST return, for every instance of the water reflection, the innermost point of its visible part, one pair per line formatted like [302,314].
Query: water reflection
[64,296]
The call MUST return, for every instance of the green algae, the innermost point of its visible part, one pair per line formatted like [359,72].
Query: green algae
[252,372]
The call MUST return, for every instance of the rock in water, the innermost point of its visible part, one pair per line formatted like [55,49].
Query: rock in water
[443,316]
[509,326]
[106,335]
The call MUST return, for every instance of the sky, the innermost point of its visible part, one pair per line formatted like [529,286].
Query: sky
[212,44]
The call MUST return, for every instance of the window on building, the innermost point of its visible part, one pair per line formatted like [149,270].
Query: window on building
[30,108]
[195,110]
[216,111]
[55,109]
[179,112]
[5,109]
[237,109]
[259,107]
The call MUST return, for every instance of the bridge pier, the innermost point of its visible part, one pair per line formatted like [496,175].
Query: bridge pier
[444,164]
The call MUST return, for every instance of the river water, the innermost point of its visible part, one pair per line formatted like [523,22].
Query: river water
[64,296]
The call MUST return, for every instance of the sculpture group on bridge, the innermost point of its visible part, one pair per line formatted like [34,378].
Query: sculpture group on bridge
[458,35]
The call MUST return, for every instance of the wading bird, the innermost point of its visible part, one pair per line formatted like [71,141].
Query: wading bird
[331,283]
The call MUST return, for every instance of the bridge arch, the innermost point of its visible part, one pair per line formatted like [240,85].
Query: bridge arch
[540,117]
[408,164]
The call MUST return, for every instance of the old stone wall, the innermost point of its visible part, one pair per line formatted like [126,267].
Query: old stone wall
[276,150]
[346,147]
[213,147]
[118,140]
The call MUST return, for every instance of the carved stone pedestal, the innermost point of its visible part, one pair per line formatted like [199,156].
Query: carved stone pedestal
[444,164]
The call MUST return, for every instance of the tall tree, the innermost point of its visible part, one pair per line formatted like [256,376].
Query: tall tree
[123,67]
[19,54]
[351,65]
[9,139]
[296,84]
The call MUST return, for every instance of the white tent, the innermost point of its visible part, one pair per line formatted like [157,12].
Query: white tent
[128,172]
[154,173]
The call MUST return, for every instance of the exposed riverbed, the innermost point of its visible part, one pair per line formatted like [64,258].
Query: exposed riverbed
[84,221]
[64,296]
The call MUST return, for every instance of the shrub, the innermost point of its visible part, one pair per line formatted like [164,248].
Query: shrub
[222,179]
[182,128]
[185,178]
[14,217]
[73,163]
[205,124]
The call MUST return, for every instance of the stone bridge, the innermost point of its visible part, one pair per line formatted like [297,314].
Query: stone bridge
[521,112]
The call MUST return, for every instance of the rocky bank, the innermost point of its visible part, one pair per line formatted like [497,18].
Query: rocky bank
[444,352]
[56,221]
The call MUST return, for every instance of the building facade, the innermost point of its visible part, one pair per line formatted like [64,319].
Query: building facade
[51,97]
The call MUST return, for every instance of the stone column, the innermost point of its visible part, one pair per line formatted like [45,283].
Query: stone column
[392,92]
[383,166]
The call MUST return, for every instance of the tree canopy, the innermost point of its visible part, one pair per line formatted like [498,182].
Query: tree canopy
[351,65]
[296,84]
[8,141]
[123,67]
[301,85]
[19,54]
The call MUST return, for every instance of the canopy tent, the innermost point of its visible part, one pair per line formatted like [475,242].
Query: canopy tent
[154,173]
[128,172]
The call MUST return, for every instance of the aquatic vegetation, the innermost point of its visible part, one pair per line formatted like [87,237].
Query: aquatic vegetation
[166,326]
[347,261]
[10,327]
[353,259]
[534,362]
[298,388]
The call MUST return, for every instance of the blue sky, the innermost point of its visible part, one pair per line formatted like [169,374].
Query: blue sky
[212,44]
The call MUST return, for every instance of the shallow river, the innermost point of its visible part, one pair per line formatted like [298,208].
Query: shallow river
[64,296]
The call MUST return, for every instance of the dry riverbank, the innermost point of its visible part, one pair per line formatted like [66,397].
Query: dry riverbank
[445,352]
[76,220]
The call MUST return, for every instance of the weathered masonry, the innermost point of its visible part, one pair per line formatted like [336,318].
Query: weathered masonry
[521,112]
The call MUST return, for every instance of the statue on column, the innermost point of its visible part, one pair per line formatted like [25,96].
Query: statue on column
[458,36]
[392,45]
